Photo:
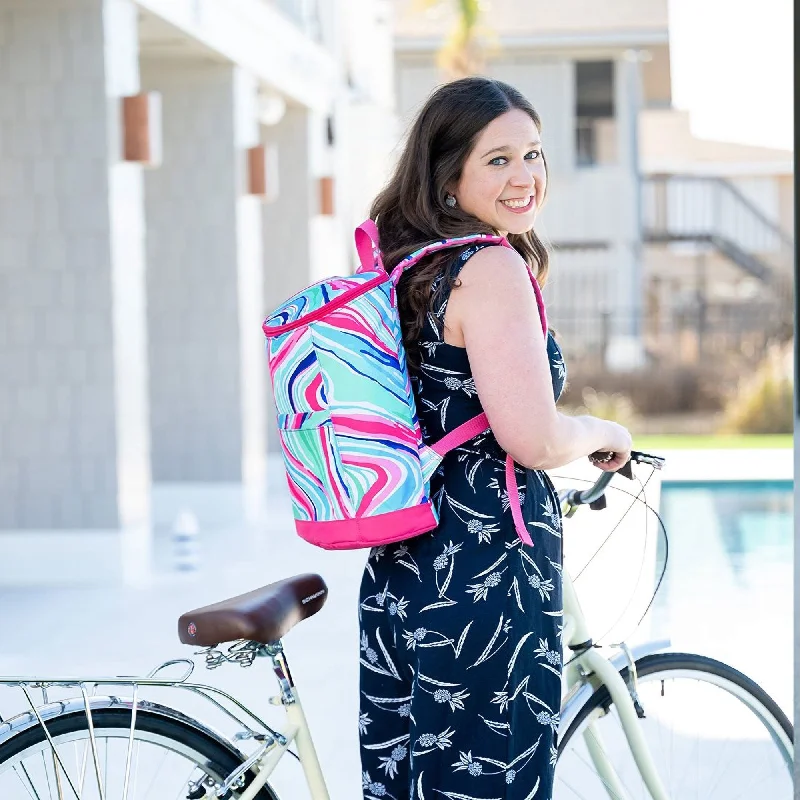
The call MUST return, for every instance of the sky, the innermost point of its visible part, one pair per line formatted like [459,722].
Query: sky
[732,69]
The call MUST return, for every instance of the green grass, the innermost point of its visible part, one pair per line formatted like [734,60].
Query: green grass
[710,442]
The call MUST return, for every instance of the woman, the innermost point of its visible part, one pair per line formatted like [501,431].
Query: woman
[460,627]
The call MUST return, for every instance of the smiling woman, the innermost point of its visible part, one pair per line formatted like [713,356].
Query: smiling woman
[504,179]
[447,184]
[460,626]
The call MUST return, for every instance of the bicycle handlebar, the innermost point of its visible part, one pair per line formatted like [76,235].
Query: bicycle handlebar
[578,497]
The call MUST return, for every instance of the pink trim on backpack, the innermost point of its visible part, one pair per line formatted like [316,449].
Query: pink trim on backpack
[349,534]
[324,311]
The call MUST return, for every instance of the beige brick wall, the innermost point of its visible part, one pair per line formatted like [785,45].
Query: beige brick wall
[195,309]
[73,430]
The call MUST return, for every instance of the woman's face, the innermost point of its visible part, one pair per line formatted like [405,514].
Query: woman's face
[503,179]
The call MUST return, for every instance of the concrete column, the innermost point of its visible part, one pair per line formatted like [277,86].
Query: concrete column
[626,349]
[74,449]
[204,279]
[287,223]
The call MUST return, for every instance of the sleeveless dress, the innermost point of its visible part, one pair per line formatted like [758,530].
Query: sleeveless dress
[460,678]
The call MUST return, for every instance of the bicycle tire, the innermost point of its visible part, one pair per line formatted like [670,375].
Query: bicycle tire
[213,754]
[701,669]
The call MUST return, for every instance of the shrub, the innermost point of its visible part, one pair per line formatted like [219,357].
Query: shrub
[763,401]
[616,407]
[652,390]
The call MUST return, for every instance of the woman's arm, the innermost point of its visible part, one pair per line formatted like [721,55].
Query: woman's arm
[494,310]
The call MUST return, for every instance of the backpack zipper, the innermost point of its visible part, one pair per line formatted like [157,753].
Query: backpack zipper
[323,311]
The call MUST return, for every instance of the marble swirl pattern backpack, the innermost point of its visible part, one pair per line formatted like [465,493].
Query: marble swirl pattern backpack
[357,468]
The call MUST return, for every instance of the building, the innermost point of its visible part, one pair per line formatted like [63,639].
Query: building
[171,171]
[653,230]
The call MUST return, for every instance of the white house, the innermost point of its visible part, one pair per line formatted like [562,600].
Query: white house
[633,199]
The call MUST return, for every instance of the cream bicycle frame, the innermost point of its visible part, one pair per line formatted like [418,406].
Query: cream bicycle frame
[591,662]
[582,674]
[296,731]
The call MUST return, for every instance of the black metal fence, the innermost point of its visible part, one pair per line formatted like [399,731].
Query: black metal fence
[739,332]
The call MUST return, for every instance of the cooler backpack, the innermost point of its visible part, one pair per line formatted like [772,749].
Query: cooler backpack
[357,468]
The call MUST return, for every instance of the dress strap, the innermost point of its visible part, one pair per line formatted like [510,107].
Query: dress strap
[451,271]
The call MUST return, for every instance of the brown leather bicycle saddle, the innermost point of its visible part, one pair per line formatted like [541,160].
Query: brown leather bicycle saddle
[264,615]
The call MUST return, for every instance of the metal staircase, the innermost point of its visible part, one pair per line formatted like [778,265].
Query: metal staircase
[711,210]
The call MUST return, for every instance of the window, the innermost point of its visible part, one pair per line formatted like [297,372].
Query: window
[595,125]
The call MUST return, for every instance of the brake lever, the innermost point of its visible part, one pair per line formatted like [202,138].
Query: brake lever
[626,470]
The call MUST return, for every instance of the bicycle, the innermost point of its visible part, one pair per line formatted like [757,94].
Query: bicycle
[616,715]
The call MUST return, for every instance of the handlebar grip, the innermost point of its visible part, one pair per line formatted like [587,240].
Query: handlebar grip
[591,494]
[588,495]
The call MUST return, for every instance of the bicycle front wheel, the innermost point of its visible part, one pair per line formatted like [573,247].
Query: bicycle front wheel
[712,732]
[165,759]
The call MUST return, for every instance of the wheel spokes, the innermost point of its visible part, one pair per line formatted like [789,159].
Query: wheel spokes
[705,737]
[148,769]
[27,783]
[93,742]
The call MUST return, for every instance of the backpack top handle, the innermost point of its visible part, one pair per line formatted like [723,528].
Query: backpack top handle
[367,241]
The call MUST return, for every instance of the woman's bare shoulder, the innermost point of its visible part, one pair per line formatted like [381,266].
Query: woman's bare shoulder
[494,276]
[494,286]
[495,269]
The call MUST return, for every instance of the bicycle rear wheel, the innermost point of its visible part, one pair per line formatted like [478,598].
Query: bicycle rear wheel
[712,732]
[171,759]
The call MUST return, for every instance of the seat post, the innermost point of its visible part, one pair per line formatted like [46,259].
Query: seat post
[298,723]
[280,666]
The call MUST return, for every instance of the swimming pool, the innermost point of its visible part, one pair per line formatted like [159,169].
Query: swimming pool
[727,591]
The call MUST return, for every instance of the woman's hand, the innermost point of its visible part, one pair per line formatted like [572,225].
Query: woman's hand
[616,451]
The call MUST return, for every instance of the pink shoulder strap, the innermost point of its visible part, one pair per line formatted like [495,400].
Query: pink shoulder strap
[469,430]
[512,490]
[369,256]
[444,244]
[463,433]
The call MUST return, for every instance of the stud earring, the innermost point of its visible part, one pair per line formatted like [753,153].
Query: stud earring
[450,200]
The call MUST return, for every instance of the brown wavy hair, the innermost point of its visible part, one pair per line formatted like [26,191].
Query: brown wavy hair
[410,211]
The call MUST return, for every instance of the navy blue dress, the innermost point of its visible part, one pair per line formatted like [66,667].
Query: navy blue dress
[461,627]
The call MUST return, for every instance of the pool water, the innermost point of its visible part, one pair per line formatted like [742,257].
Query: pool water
[727,591]
[755,518]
